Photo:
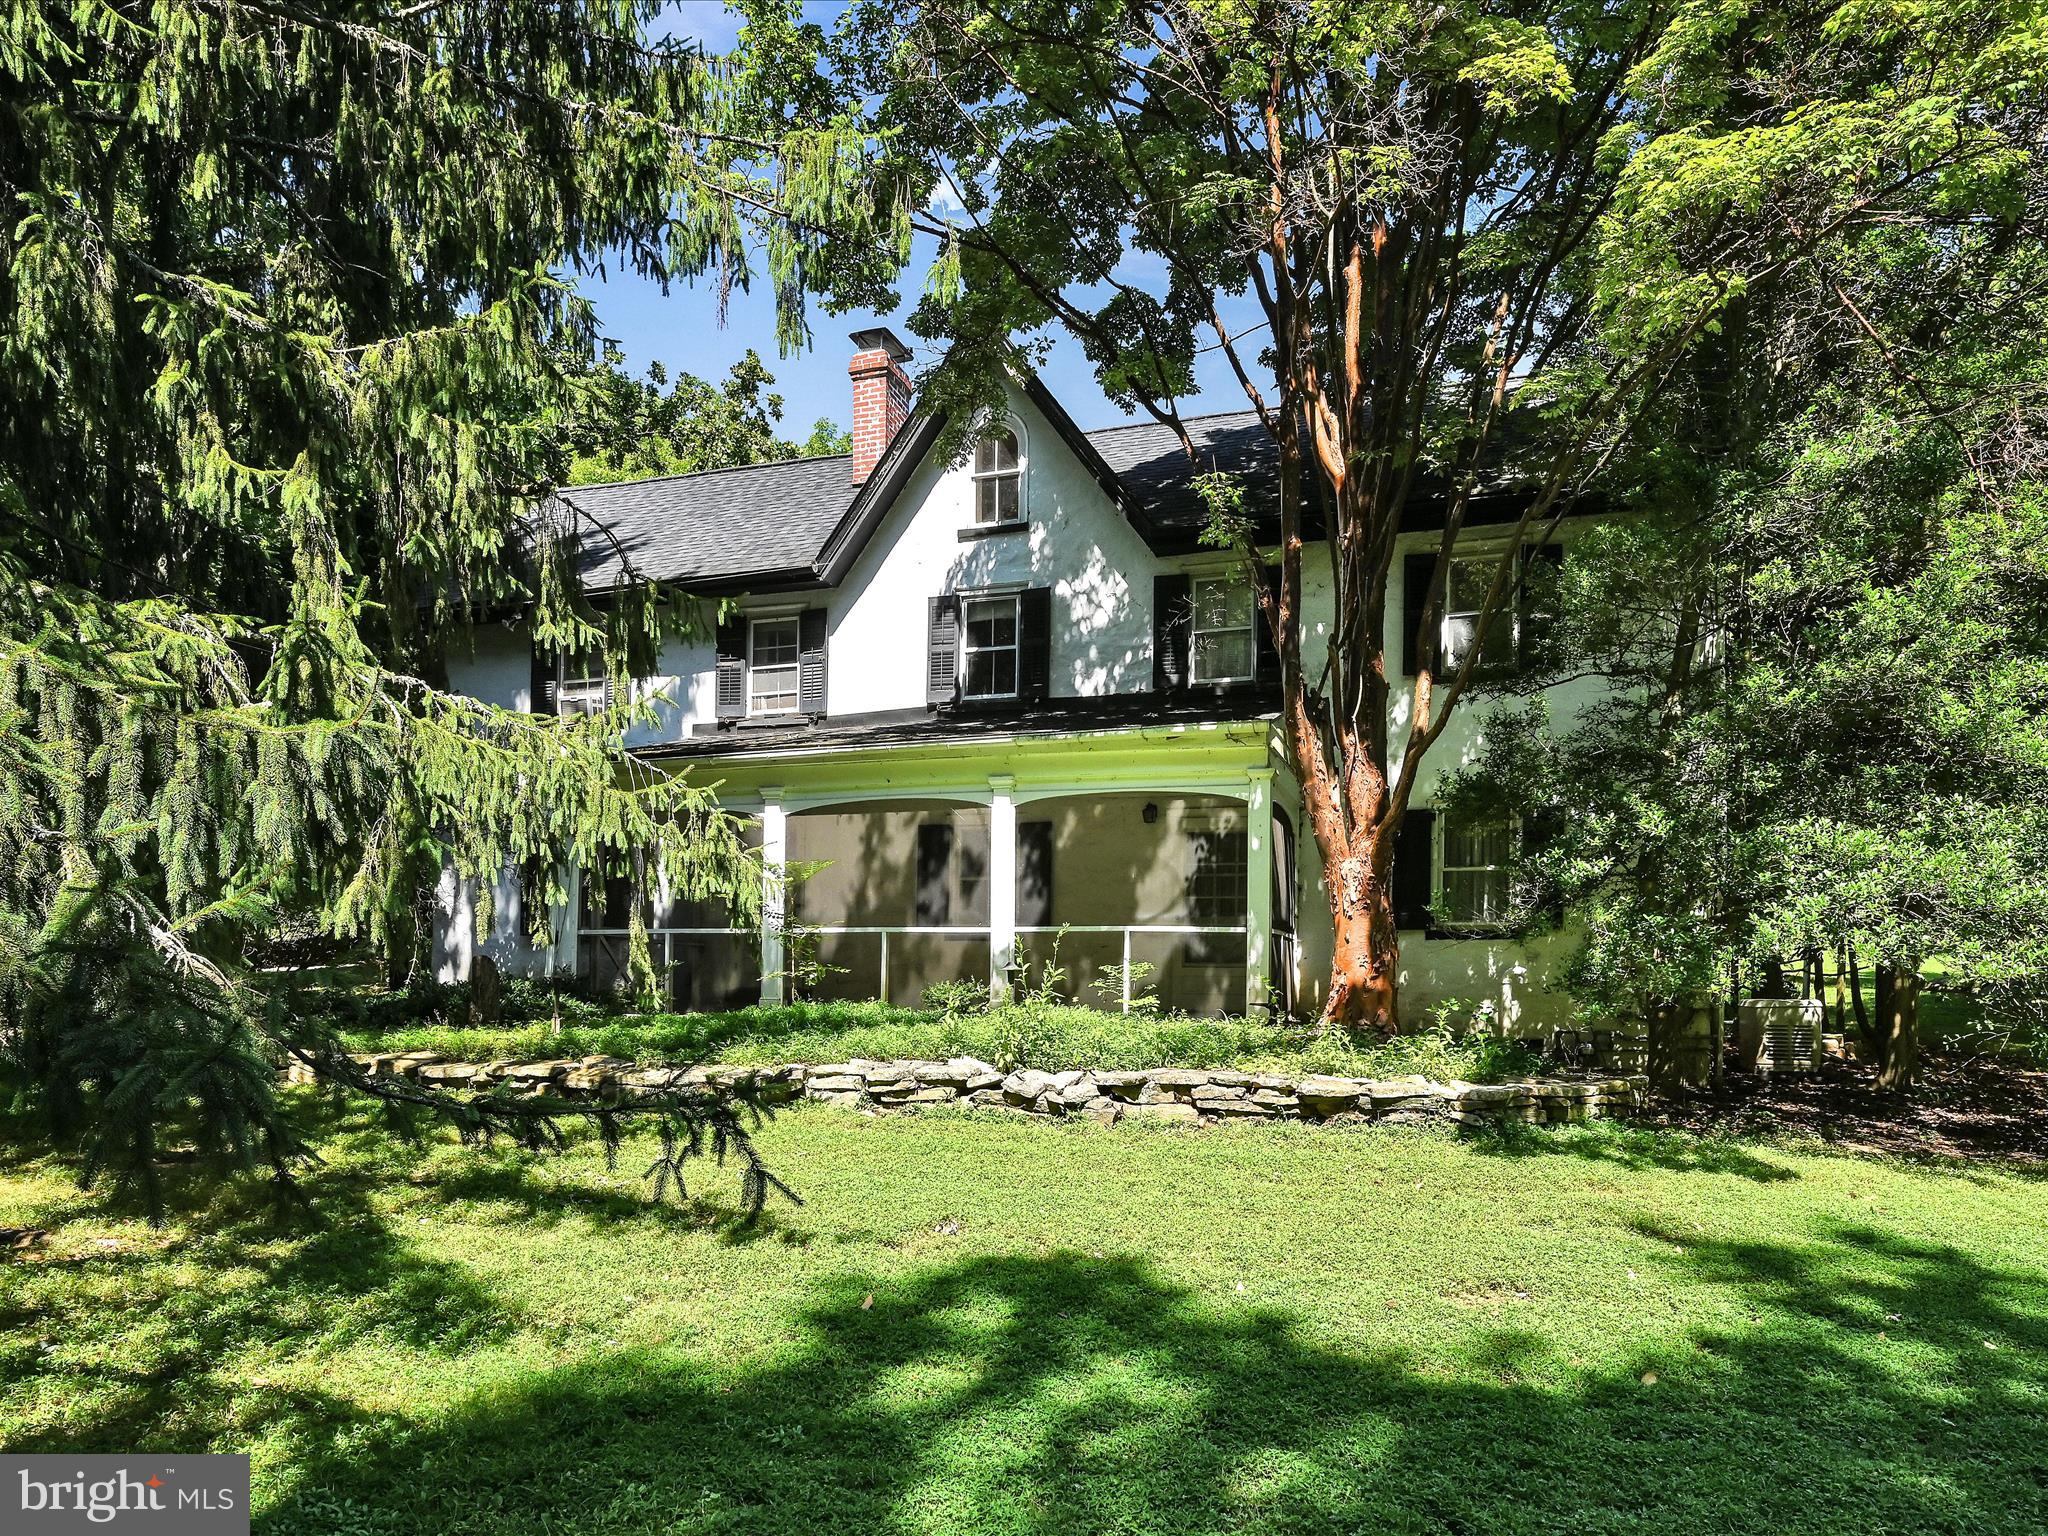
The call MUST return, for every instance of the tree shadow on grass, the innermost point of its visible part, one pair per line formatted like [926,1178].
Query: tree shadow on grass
[1065,1393]
[158,1361]
[1628,1146]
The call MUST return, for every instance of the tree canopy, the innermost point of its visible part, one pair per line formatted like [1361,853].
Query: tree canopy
[290,337]
[645,427]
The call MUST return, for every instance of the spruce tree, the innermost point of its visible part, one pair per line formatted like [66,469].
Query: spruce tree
[288,328]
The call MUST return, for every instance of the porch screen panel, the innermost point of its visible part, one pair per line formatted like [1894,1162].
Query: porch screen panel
[1034,874]
[934,904]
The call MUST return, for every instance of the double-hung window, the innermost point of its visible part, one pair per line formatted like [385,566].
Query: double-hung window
[773,666]
[1221,647]
[998,475]
[580,688]
[1464,597]
[1472,874]
[990,670]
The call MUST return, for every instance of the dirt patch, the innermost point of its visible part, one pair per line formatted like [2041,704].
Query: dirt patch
[1977,1109]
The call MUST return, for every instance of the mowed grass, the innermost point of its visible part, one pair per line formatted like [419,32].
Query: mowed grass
[981,1324]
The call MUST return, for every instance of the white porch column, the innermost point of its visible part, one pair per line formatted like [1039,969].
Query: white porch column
[1258,892]
[774,861]
[1002,884]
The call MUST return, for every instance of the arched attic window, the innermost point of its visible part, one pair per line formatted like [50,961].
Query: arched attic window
[998,478]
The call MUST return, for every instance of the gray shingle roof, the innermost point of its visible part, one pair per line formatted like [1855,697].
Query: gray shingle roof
[726,526]
[1153,466]
[769,524]
[717,525]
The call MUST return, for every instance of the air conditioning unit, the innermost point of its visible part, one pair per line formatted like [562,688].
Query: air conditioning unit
[1780,1034]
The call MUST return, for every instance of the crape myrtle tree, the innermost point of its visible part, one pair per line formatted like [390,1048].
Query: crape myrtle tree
[1411,235]
[288,342]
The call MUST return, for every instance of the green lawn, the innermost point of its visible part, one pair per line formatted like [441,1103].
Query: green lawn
[1074,1329]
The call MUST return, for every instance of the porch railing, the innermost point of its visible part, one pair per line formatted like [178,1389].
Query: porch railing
[1128,931]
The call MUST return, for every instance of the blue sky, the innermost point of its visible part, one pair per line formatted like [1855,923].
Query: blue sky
[680,329]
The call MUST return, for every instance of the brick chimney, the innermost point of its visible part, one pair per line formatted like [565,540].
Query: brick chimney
[881,396]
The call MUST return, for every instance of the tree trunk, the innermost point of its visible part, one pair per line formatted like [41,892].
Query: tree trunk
[1898,1023]
[1863,1036]
[1365,960]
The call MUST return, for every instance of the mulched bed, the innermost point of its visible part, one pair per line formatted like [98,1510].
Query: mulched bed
[1977,1109]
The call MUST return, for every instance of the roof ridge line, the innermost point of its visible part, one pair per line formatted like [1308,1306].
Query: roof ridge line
[698,474]
[1161,426]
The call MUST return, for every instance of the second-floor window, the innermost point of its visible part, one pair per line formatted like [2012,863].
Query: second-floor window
[997,478]
[1221,648]
[1464,597]
[774,649]
[990,671]
[580,688]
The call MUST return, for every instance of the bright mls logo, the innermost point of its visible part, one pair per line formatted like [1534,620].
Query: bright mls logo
[162,1495]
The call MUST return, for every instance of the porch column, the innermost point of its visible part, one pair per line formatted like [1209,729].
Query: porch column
[1002,884]
[1258,891]
[774,860]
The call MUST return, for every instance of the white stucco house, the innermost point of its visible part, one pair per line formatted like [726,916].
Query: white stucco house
[1000,705]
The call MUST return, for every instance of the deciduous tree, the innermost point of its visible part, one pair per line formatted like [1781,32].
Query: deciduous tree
[1447,252]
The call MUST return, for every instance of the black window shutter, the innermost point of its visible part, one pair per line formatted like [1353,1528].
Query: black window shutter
[1286,880]
[1173,624]
[732,669]
[942,659]
[933,902]
[1536,597]
[1034,642]
[1416,571]
[1034,874]
[541,695]
[1267,671]
[1414,871]
[811,662]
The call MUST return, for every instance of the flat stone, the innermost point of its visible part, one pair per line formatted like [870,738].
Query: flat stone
[650,1077]
[1402,1088]
[1330,1090]
[1103,1110]
[1487,1093]
[446,1072]
[536,1071]
[837,1083]
[1273,1098]
[1217,1093]
[1125,1085]
[1178,1078]
[1078,1093]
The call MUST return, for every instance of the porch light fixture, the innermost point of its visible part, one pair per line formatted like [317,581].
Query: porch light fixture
[1150,813]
